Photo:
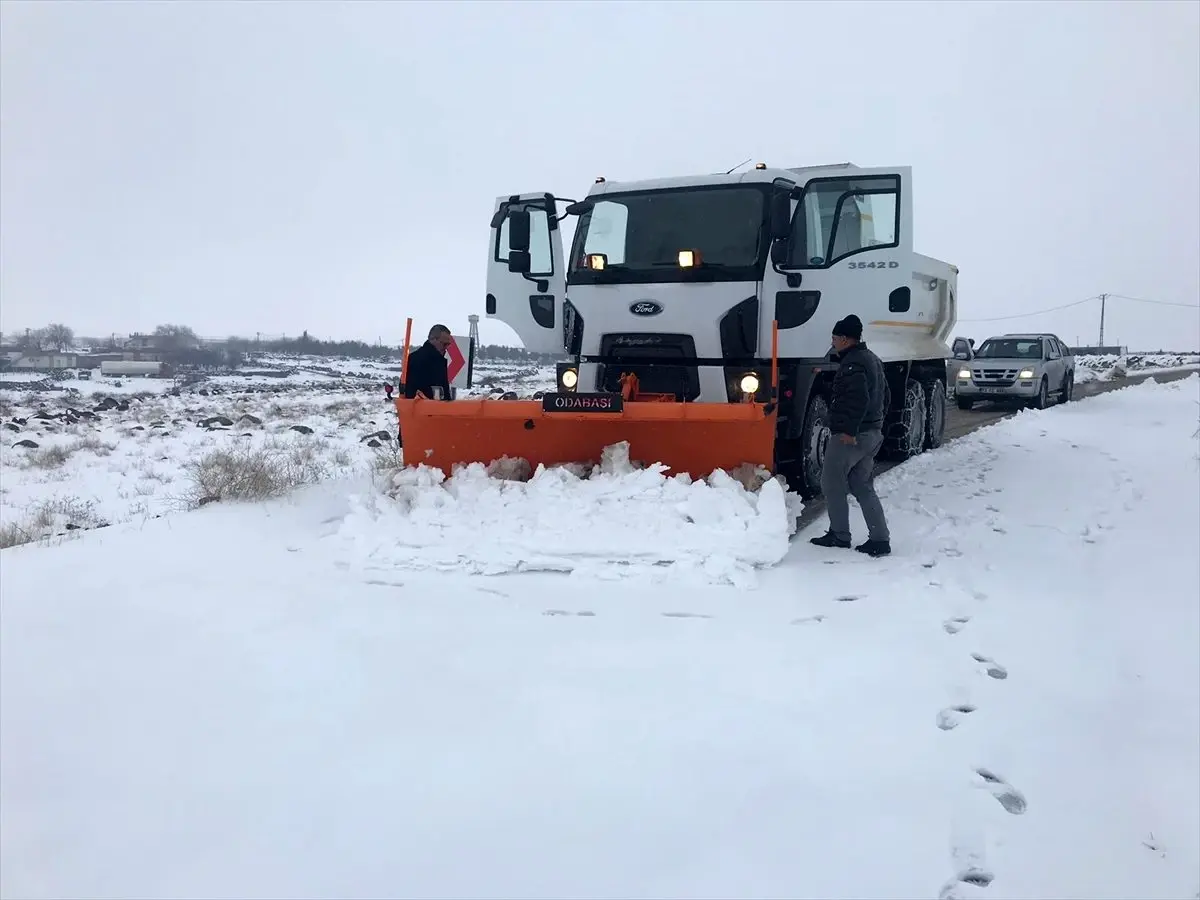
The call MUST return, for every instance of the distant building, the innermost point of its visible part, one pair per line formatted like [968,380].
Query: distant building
[44,362]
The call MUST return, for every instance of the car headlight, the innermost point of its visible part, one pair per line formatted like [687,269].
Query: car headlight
[749,384]
[964,374]
[570,378]
[1025,373]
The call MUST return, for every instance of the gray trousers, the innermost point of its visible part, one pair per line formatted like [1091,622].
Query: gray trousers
[848,470]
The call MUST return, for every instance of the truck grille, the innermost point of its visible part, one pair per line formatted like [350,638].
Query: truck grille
[998,377]
[655,353]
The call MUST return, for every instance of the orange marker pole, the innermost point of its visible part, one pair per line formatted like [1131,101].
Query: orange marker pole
[404,357]
[775,354]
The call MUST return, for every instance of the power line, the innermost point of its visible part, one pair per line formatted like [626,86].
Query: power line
[1155,302]
[1036,312]
[1039,312]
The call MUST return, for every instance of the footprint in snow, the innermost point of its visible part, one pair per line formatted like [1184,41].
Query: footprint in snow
[971,873]
[993,668]
[959,888]
[817,618]
[686,615]
[567,612]
[1006,795]
[955,625]
[950,717]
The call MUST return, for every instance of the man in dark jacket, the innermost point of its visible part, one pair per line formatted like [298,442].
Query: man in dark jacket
[856,413]
[427,366]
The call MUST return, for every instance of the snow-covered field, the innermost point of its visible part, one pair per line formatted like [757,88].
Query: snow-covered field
[1108,368]
[70,458]
[271,700]
[156,445]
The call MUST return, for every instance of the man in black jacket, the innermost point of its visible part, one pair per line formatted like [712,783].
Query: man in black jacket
[427,366]
[859,404]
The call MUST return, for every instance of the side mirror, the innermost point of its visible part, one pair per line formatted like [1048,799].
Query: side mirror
[779,252]
[519,261]
[961,355]
[781,215]
[578,209]
[518,232]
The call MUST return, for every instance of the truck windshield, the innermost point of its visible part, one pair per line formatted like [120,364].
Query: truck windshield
[642,233]
[1010,348]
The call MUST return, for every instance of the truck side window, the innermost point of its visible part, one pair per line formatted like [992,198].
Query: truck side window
[843,216]
[540,257]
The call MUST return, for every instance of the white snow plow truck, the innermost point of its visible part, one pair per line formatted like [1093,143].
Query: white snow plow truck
[715,296]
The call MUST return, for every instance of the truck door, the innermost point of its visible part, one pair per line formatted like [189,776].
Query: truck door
[530,303]
[851,245]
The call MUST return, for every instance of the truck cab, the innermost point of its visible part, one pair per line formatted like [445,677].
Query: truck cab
[678,280]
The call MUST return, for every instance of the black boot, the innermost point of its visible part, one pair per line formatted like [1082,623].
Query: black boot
[875,548]
[829,539]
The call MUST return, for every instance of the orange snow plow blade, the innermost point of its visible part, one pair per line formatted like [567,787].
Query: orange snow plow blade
[687,437]
[571,427]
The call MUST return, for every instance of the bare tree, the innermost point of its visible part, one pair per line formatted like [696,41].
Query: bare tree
[176,337]
[58,336]
[32,339]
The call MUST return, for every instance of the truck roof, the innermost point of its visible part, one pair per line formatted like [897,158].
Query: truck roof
[749,176]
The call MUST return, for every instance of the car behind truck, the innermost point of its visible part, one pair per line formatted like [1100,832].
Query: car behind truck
[1027,368]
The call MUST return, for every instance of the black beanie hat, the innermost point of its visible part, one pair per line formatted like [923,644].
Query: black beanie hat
[850,327]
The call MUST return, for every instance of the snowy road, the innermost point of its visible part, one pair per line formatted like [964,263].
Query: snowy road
[239,703]
[962,422]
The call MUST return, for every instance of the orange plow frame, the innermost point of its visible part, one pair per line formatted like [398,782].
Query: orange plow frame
[686,437]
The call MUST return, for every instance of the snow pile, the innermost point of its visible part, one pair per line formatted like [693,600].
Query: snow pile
[1108,367]
[612,521]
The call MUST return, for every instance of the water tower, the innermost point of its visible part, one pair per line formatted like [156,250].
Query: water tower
[473,334]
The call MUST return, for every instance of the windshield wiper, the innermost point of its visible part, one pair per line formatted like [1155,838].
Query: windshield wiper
[705,270]
[704,264]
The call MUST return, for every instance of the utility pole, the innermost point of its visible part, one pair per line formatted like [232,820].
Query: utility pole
[1103,297]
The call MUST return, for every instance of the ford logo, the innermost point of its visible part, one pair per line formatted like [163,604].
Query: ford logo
[645,308]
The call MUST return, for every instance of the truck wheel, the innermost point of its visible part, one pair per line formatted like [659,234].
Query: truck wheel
[935,418]
[813,441]
[965,403]
[1068,391]
[905,437]
[1041,401]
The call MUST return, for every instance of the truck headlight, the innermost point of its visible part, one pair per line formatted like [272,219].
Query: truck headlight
[567,375]
[964,374]
[1025,373]
[749,383]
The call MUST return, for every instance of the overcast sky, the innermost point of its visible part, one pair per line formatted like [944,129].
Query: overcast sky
[270,167]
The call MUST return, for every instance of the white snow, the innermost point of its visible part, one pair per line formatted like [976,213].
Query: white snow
[228,703]
[1109,367]
[135,463]
[614,521]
